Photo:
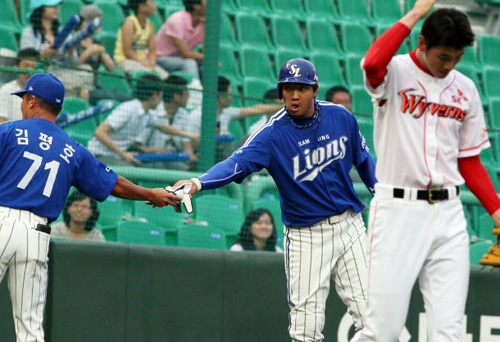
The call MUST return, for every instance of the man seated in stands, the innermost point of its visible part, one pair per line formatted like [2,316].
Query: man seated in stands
[178,38]
[126,126]
[340,95]
[172,111]
[135,44]
[11,105]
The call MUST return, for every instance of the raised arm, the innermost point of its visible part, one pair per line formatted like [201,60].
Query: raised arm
[158,197]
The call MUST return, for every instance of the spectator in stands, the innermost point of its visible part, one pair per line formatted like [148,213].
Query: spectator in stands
[172,111]
[44,19]
[179,37]
[11,105]
[3,119]
[126,126]
[80,216]
[340,95]
[226,112]
[258,233]
[270,95]
[135,44]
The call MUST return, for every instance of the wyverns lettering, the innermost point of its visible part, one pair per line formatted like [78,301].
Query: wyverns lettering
[417,105]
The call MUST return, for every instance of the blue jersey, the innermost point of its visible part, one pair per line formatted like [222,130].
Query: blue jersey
[39,163]
[309,161]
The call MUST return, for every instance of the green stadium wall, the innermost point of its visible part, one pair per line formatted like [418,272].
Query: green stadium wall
[117,292]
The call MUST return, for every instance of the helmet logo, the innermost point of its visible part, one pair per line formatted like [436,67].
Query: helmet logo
[295,71]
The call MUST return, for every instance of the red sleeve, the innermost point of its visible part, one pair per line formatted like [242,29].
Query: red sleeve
[381,52]
[479,182]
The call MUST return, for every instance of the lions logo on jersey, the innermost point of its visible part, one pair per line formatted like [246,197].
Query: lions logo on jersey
[315,161]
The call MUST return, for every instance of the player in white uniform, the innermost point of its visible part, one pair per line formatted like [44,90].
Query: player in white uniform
[429,132]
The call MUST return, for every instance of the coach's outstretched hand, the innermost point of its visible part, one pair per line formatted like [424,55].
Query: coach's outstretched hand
[160,197]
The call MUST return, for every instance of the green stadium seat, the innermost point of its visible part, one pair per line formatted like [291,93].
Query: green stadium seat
[322,36]
[157,20]
[83,130]
[138,232]
[354,10]
[251,30]
[288,8]
[387,11]
[469,59]
[227,36]
[477,250]
[198,236]
[68,8]
[321,9]
[220,212]
[24,9]
[353,71]
[256,63]
[229,65]
[259,7]
[328,67]
[494,113]
[112,211]
[113,17]
[414,37]
[283,55]
[255,88]
[381,28]
[9,20]
[8,39]
[488,48]
[108,40]
[286,32]
[491,82]
[172,8]
[362,41]
[229,7]
[109,233]
[409,5]
[236,129]
[115,81]
[165,218]
[361,101]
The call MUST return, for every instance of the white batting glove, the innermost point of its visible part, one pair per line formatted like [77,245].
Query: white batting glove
[183,191]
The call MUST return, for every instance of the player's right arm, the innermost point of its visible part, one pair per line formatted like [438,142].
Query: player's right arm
[385,47]
[102,134]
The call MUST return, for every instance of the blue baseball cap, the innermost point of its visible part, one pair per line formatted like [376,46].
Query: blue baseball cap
[45,86]
[34,4]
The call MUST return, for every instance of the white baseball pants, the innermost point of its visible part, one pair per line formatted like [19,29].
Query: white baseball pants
[333,248]
[410,239]
[23,254]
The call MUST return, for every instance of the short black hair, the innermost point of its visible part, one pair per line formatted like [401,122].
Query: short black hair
[336,89]
[46,105]
[447,27]
[271,94]
[147,85]
[189,5]
[78,196]
[134,5]
[28,53]
[245,236]
[175,85]
[223,84]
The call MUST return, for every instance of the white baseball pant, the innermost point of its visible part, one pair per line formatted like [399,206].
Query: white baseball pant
[24,255]
[410,239]
[333,248]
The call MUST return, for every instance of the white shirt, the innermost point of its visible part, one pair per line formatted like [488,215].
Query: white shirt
[11,104]
[239,248]
[225,118]
[256,125]
[129,122]
[418,146]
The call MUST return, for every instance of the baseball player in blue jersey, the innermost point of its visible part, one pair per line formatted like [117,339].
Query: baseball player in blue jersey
[39,163]
[308,148]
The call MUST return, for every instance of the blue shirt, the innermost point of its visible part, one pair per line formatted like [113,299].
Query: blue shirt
[310,162]
[39,163]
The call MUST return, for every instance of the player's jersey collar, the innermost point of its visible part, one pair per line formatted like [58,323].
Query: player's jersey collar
[413,56]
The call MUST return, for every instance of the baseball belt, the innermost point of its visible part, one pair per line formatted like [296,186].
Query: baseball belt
[432,196]
[44,228]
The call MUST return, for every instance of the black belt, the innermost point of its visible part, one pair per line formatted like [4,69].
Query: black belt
[431,196]
[44,228]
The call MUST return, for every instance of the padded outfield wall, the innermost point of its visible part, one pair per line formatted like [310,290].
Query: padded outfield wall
[117,292]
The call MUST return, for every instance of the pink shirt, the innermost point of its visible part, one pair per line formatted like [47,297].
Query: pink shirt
[179,25]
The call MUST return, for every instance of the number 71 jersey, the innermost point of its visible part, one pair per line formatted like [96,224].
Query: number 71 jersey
[39,163]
